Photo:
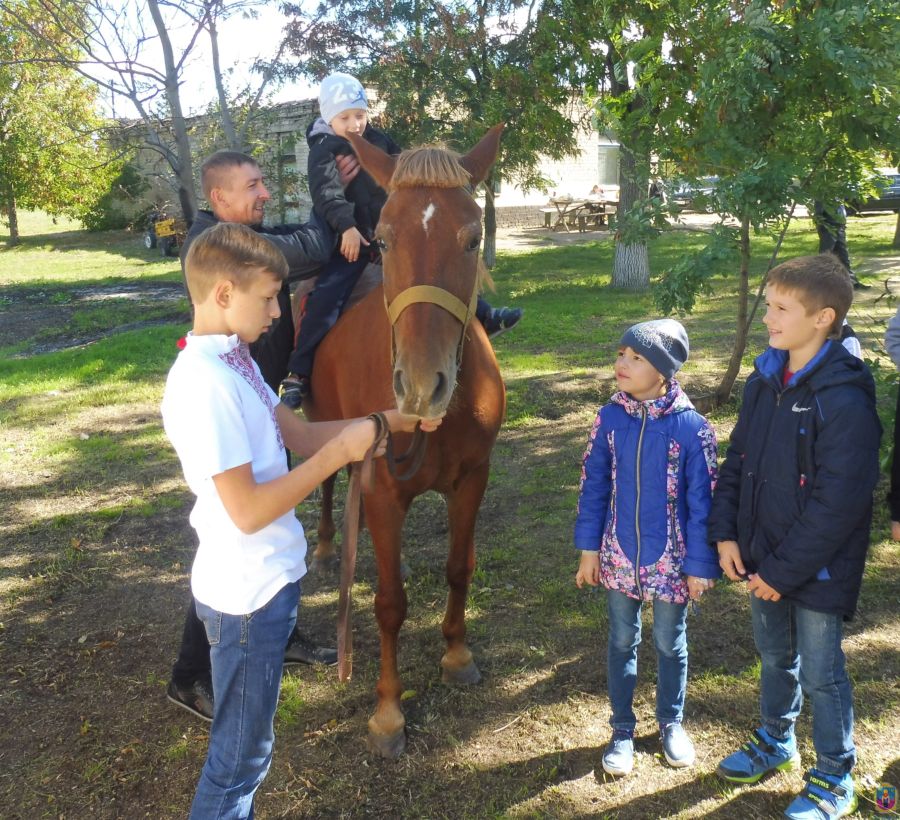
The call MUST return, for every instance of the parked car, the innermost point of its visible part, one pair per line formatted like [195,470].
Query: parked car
[694,195]
[887,199]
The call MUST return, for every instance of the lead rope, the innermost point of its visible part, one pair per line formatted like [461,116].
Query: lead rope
[361,473]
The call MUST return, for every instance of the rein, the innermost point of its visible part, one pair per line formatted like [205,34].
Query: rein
[362,475]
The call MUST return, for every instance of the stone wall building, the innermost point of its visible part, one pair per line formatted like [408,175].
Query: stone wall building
[283,154]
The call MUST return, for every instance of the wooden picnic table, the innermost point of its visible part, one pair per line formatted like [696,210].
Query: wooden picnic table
[580,214]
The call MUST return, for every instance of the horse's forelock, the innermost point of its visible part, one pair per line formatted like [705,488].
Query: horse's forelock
[430,166]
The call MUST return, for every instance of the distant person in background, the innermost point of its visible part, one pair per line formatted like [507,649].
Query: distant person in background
[831,225]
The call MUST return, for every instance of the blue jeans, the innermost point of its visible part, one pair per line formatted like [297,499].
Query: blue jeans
[247,653]
[801,653]
[670,638]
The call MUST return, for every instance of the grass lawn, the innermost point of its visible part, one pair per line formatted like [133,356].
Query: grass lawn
[95,551]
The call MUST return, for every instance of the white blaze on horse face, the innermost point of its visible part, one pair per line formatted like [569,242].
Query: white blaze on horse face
[426,216]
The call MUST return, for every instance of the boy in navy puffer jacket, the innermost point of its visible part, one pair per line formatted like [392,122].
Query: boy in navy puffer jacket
[646,485]
[791,517]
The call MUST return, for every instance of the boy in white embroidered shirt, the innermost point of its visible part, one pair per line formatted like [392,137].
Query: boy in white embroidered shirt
[230,432]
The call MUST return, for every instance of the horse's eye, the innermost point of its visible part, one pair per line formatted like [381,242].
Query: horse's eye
[474,243]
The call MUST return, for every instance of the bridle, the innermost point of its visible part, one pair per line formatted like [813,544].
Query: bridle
[433,295]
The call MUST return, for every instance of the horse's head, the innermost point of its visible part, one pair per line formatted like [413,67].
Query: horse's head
[430,235]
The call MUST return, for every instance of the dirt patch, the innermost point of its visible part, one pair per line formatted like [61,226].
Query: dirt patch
[94,576]
[30,313]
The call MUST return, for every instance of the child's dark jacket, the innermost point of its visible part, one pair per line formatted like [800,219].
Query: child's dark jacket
[795,490]
[361,202]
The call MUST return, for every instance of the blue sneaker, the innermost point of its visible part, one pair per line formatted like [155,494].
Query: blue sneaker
[618,759]
[824,797]
[759,756]
[677,745]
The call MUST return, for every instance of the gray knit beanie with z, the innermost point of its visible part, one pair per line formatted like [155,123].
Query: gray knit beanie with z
[662,342]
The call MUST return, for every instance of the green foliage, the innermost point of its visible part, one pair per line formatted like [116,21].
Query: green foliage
[111,211]
[448,71]
[677,288]
[51,148]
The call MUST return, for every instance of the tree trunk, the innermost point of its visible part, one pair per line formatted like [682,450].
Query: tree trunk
[896,242]
[12,217]
[185,170]
[631,268]
[231,137]
[723,391]
[489,253]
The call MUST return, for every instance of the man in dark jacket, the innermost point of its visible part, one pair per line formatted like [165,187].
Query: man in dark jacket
[791,516]
[233,185]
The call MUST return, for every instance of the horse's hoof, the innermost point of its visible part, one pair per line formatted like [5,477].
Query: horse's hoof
[468,674]
[323,565]
[390,747]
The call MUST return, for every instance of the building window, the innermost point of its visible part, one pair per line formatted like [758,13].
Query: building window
[608,164]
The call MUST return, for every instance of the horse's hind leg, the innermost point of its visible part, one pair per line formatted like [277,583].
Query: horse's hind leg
[463,503]
[325,557]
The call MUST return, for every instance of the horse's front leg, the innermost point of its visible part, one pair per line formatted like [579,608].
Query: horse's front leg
[325,557]
[387,727]
[462,504]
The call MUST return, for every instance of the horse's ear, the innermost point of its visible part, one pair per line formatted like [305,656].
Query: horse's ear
[480,159]
[379,164]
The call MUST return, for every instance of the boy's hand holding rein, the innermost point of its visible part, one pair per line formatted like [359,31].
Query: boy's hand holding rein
[358,437]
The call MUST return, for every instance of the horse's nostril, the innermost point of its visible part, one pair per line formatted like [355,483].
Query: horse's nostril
[438,393]
[399,389]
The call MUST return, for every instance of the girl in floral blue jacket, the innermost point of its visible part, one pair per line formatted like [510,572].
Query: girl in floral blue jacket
[646,486]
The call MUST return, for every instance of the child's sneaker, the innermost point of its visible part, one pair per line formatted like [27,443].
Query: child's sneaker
[758,756]
[293,390]
[824,797]
[677,745]
[501,320]
[618,759]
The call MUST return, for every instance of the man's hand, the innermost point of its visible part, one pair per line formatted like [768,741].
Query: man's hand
[730,560]
[348,168]
[762,590]
[588,569]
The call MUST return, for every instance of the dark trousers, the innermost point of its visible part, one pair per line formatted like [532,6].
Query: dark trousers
[193,654]
[894,493]
[273,349]
[323,308]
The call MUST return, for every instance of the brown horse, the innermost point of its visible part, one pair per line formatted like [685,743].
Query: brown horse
[426,359]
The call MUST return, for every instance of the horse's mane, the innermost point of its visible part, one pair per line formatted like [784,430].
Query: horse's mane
[430,166]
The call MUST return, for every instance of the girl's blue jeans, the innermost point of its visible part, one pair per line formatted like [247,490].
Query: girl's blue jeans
[247,654]
[670,638]
[801,653]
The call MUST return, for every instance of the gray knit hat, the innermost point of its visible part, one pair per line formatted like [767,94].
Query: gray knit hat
[338,92]
[662,342]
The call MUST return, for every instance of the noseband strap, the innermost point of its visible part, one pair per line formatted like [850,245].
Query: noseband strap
[435,296]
